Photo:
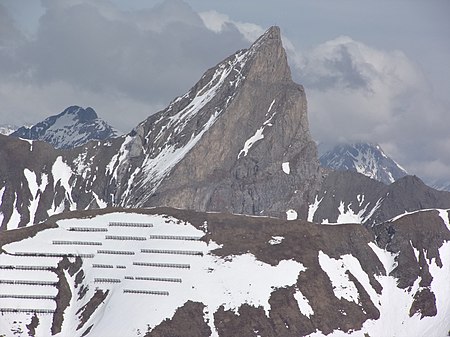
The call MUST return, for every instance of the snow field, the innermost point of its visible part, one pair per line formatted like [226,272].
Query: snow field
[394,303]
[161,289]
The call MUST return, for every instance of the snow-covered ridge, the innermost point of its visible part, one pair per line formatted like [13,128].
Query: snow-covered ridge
[365,158]
[73,127]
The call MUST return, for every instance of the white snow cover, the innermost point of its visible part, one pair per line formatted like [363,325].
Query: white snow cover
[312,209]
[258,135]
[335,269]
[14,220]
[157,168]
[62,173]
[286,168]
[346,214]
[209,279]
[276,240]
[291,214]
[394,303]
[303,304]
[252,140]
[388,259]
[36,190]
[443,213]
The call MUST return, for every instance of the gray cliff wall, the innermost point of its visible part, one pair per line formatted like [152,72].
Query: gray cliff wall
[216,175]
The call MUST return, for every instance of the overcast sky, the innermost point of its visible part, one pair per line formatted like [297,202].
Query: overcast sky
[375,71]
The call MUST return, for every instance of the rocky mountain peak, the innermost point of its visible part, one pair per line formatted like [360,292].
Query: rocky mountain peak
[83,115]
[240,131]
[72,127]
[270,60]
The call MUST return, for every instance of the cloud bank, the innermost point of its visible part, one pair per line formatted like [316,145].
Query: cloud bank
[120,62]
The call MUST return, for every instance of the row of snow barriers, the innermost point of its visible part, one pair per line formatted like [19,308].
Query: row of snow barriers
[146,292]
[30,283]
[28,311]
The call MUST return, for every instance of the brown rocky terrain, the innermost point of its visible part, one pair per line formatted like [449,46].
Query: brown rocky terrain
[414,239]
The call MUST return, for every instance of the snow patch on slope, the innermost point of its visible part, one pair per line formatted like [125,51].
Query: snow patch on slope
[286,168]
[291,214]
[258,135]
[62,173]
[312,208]
[36,191]
[303,304]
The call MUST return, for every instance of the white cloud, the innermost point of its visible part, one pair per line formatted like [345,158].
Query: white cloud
[357,92]
[218,22]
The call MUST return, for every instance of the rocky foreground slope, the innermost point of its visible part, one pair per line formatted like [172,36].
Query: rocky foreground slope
[167,272]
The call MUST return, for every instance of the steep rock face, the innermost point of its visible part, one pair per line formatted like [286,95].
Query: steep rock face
[73,127]
[255,121]
[365,158]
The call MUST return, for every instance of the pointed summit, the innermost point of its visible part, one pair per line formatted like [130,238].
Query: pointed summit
[225,144]
[270,56]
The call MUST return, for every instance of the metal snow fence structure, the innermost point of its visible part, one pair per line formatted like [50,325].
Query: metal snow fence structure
[98,265]
[30,254]
[170,251]
[17,267]
[115,252]
[129,278]
[29,283]
[163,265]
[28,297]
[175,237]
[31,311]
[121,267]
[107,280]
[147,292]
[87,229]
[129,224]
[124,237]
[158,279]
[77,243]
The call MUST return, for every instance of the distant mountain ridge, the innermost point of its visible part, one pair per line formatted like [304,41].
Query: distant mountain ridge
[7,129]
[365,158]
[73,127]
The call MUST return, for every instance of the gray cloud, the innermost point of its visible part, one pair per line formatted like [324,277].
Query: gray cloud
[357,92]
[91,48]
